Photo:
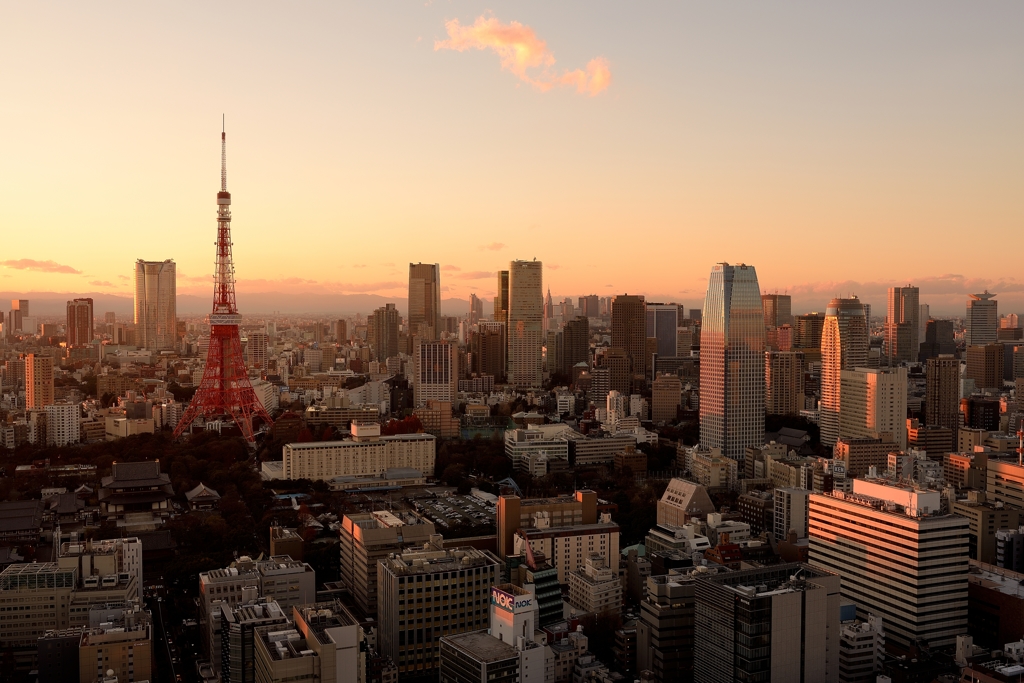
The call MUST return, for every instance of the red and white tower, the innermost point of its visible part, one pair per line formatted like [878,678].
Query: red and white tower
[225,389]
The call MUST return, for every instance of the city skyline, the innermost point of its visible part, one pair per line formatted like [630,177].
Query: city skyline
[699,146]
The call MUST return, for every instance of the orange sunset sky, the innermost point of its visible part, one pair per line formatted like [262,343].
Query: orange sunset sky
[838,147]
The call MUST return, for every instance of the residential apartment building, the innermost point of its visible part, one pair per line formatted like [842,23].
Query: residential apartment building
[783,382]
[595,588]
[366,454]
[874,403]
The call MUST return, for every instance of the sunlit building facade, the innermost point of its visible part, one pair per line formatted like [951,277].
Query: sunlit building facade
[732,361]
[156,313]
[525,324]
[844,346]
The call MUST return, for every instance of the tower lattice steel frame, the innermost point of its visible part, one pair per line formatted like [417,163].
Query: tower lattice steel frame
[225,389]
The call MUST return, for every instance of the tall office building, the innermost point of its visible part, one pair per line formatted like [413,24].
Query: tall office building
[924,314]
[629,330]
[436,372]
[575,344]
[501,298]
[844,346]
[778,623]
[985,366]
[16,317]
[899,557]
[662,324]
[79,326]
[778,309]
[454,585]
[382,332]
[982,321]
[783,382]
[38,381]
[590,306]
[476,309]
[732,362]
[807,334]
[340,331]
[942,392]
[489,346]
[425,300]
[938,340]
[525,324]
[874,403]
[902,336]
[156,317]
[256,349]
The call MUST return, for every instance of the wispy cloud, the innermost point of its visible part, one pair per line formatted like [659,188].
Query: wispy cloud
[123,277]
[41,266]
[552,266]
[450,268]
[101,283]
[493,246]
[524,54]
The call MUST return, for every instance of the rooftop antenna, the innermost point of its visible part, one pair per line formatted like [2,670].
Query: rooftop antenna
[1020,444]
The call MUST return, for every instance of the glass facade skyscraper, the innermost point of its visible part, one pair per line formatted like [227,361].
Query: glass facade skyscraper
[525,324]
[425,300]
[732,361]
[156,316]
[844,346]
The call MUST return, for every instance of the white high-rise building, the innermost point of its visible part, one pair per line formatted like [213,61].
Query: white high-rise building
[732,361]
[63,421]
[982,322]
[791,509]
[156,316]
[525,324]
[899,557]
[874,403]
[844,346]
[436,376]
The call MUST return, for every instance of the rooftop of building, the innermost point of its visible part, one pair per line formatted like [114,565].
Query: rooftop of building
[764,581]
[413,562]
[1006,581]
[286,643]
[573,530]
[482,646]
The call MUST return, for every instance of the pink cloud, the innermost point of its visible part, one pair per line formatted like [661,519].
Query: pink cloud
[41,266]
[101,283]
[524,54]
[448,267]
[493,246]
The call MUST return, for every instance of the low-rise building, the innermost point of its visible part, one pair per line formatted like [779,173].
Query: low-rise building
[595,587]
[366,455]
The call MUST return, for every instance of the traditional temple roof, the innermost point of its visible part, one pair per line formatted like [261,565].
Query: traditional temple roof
[201,493]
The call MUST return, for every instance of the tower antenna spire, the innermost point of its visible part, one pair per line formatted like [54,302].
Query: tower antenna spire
[223,155]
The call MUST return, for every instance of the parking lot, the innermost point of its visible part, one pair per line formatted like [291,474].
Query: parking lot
[450,511]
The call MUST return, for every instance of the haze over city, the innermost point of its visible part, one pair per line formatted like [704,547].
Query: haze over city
[839,149]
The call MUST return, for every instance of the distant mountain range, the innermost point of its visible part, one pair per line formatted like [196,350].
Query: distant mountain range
[53,304]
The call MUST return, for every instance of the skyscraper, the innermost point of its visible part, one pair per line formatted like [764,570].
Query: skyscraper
[732,361]
[156,316]
[489,347]
[902,336]
[476,309]
[982,319]
[425,300]
[844,346]
[807,334]
[778,309]
[985,366]
[79,327]
[629,330]
[525,323]
[942,392]
[783,382]
[575,344]
[382,332]
[938,340]
[663,325]
[15,319]
[501,298]
[38,381]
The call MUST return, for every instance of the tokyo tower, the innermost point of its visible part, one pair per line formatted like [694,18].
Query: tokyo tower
[225,389]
